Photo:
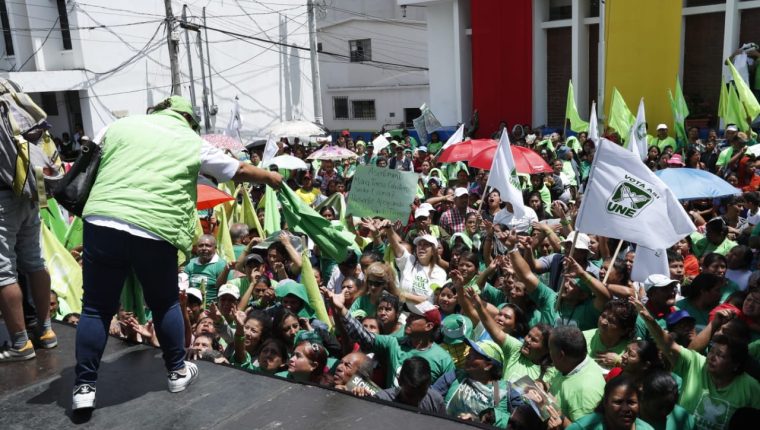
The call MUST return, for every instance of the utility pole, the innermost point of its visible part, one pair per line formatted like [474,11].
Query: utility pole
[315,82]
[206,119]
[189,57]
[172,39]
[213,109]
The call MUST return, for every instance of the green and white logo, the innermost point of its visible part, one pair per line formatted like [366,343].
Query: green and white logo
[628,199]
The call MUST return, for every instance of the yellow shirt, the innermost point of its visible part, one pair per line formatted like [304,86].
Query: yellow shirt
[308,196]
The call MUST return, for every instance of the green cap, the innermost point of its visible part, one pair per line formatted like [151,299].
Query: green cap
[456,328]
[307,336]
[182,105]
[488,349]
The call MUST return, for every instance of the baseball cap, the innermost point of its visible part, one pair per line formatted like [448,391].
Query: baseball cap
[253,258]
[582,242]
[662,127]
[434,179]
[192,291]
[427,238]
[657,281]
[421,212]
[307,336]
[459,192]
[676,159]
[488,349]
[182,105]
[732,127]
[345,133]
[229,289]
[426,310]
[455,328]
[678,316]
[422,148]
[387,135]
[427,206]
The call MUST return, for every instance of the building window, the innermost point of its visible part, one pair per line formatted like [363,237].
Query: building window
[361,50]
[363,109]
[63,19]
[410,114]
[49,103]
[560,9]
[340,107]
[6,29]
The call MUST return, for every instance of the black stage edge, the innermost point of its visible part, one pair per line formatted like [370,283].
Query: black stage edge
[132,394]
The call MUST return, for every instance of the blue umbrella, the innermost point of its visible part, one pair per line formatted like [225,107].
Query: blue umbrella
[693,184]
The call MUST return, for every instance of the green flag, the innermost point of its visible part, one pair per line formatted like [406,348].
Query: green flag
[338,203]
[51,216]
[249,214]
[132,299]
[620,118]
[747,99]
[303,219]
[74,235]
[309,282]
[223,239]
[680,112]
[65,272]
[272,222]
[735,113]
[571,111]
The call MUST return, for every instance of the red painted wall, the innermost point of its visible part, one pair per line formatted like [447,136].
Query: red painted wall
[502,58]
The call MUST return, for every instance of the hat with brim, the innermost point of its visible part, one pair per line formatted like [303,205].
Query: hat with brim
[678,316]
[182,105]
[229,290]
[662,127]
[426,310]
[192,291]
[582,242]
[427,238]
[658,281]
[253,259]
[456,328]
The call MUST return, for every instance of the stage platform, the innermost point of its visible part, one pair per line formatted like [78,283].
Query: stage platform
[132,394]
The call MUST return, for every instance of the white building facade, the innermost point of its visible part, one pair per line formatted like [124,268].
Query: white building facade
[386,79]
[91,62]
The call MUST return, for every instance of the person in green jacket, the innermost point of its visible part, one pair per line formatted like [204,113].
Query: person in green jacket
[139,214]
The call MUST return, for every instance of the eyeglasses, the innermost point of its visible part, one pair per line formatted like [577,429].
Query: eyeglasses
[376,282]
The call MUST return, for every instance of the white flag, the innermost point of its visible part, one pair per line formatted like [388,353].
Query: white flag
[235,123]
[649,262]
[637,139]
[503,176]
[270,150]
[625,200]
[455,138]
[593,125]
[379,143]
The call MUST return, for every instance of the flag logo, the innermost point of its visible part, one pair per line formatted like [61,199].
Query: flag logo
[628,200]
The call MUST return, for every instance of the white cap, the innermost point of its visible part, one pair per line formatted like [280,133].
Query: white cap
[387,135]
[657,280]
[229,289]
[422,148]
[427,238]
[420,212]
[732,127]
[662,127]
[582,242]
[459,192]
[192,291]
[427,206]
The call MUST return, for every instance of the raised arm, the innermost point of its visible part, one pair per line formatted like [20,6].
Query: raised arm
[601,293]
[702,339]
[394,240]
[522,270]
[671,350]
[493,328]
[293,254]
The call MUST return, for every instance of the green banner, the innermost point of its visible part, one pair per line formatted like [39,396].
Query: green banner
[377,191]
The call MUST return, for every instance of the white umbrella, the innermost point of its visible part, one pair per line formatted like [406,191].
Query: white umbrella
[287,162]
[298,128]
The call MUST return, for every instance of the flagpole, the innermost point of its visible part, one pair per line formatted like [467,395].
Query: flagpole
[564,271]
[612,261]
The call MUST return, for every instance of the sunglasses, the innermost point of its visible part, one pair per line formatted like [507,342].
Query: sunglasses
[375,283]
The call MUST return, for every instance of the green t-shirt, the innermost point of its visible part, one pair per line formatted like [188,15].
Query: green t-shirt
[725,156]
[580,391]
[517,365]
[594,344]
[679,419]
[434,147]
[702,317]
[585,316]
[394,352]
[754,349]
[197,271]
[712,407]
[363,303]
[493,295]
[238,249]
[595,421]
[701,246]
[664,143]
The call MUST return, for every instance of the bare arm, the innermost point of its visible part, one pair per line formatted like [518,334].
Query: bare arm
[493,328]
[393,238]
[671,350]
[702,339]
[467,307]
[249,173]
[295,256]
[522,270]
[601,293]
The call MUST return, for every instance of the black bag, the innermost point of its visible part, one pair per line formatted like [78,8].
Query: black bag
[73,190]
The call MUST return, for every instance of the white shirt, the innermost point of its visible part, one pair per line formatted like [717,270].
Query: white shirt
[335,284]
[413,276]
[214,163]
[519,224]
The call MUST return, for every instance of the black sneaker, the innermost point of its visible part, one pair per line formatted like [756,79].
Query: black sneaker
[84,397]
[179,381]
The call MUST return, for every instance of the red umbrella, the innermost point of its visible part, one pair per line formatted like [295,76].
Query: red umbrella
[208,197]
[526,160]
[466,150]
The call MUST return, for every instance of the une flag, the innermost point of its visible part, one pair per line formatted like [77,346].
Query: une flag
[649,262]
[637,141]
[593,126]
[235,123]
[621,119]
[503,176]
[379,143]
[270,150]
[625,200]
[455,138]
[571,111]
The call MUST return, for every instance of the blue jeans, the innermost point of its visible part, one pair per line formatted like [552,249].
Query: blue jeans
[109,256]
